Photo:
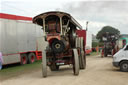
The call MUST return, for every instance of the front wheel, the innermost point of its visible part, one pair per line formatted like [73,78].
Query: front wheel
[124,66]
[44,64]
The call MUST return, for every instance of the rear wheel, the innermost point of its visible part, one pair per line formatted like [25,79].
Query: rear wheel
[124,66]
[82,60]
[75,62]
[105,55]
[31,57]
[24,59]
[105,52]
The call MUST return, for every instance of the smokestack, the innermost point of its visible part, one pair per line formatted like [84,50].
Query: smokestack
[87,25]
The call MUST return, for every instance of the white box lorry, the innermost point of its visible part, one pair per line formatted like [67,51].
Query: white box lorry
[18,39]
[120,59]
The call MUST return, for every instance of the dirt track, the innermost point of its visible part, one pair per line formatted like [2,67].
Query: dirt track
[99,71]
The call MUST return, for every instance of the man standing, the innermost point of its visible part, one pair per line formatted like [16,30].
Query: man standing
[1,60]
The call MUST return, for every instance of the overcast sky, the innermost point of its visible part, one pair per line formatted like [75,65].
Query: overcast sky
[98,13]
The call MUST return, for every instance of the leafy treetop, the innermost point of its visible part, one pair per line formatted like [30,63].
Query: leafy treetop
[107,29]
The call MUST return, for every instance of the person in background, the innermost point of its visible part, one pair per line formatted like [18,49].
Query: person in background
[1,60]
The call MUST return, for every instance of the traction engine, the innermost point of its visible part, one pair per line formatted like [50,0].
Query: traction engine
[66,41]
[110,44]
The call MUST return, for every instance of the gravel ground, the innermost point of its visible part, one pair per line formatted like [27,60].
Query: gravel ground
[99,71]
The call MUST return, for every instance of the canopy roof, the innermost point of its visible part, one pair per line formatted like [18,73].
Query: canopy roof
[38,19]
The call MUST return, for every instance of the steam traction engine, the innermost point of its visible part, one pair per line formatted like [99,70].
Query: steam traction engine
[110,44]
[66,41]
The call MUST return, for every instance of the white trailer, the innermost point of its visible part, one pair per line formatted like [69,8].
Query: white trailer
[18,36]
[88,42]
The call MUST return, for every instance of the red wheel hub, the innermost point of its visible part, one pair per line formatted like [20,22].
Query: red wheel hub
[24,60]
[32,59]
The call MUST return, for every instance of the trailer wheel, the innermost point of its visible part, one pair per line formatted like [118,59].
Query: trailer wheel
[24,59]
[31,57]
[82,60]
[75,62]
[44,64]
[54,67]
[124,66]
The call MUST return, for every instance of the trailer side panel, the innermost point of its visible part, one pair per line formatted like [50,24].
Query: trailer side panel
[17,37]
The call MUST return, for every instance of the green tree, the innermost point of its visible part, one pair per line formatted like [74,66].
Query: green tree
[95,44]
[106,29]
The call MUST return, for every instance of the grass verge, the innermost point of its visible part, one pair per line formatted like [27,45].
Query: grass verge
[17,69]
[94,53]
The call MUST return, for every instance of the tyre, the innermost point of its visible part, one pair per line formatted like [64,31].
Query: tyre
[82,58]
[57,46]
[75,62]
[44,64]
[31,58]
[72,37]
[82,61]
[124,66]
[105,53]
[54,67]
[24,59]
